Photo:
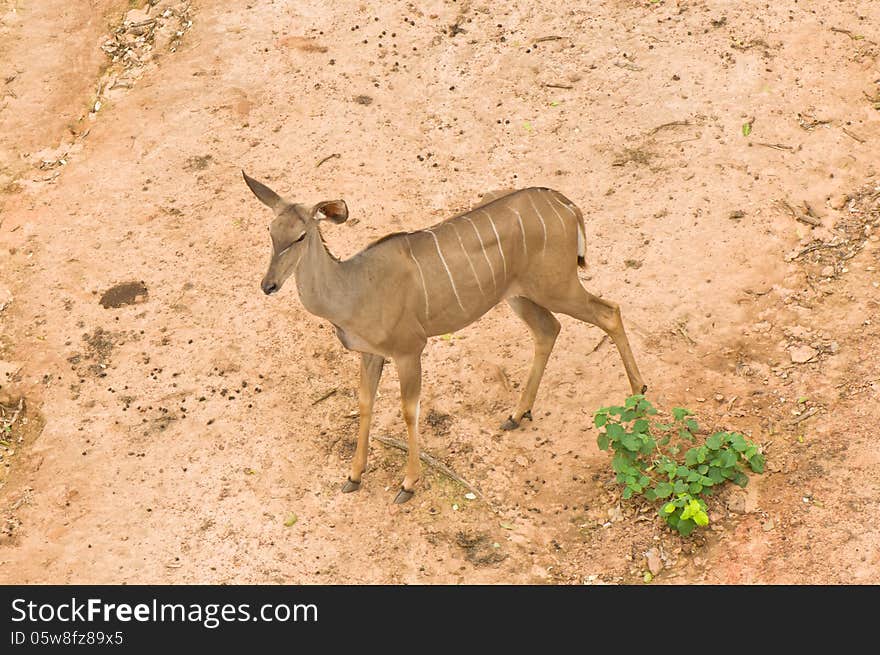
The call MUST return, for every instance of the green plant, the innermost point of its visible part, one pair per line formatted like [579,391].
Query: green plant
[661,461]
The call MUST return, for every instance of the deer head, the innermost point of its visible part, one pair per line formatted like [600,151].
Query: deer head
[289,230]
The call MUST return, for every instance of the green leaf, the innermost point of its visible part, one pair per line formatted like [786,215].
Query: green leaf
[603,441]
[716,475]
[684,434]
[628,415]
[692,425]
[747,129]
[701,454]
[685,527]
[682,472]
[669,508]
[631,442]
[663,490]
[678,413]
[695,488]
[641,425]
[702,468]
[756,463]
[632,401]
[290,520]
[680,486]
[600,420]
[620,463]
[738,442]
[740,479]
[674,450]
[648,445]
[690,457]
[627,493]
[714,442]
[614,431]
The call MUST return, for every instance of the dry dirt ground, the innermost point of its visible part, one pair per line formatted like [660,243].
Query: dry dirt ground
[172,435]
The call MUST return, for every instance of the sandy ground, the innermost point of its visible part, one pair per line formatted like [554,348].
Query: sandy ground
[169,440]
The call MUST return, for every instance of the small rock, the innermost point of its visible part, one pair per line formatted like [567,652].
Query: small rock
[719,397]
[5,298]
[741,503]
[655,564]
[736,215]
[801,354]
[828,271]
[768,525]
[840,202]
[137,15]
[615,513]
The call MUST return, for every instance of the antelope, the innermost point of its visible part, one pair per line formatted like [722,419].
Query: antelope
[523,247]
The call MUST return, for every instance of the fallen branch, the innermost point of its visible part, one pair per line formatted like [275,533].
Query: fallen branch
[599,345]
[335,155]
[803,417]
[684,333]
[853,136]
[559,86]
[548,38]
[775,146]
[325,396]
[433,462]
[628,65]
[670,124]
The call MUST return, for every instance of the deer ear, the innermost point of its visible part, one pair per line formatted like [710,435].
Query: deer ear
[333,210]
[264,193]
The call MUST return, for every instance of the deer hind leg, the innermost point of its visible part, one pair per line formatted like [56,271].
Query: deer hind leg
[544,328]
[605,314]
[409,370]
[371,371]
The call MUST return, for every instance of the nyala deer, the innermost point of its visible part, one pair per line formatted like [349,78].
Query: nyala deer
[523,247]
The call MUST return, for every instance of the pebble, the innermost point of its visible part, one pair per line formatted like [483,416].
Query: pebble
[828,271]
[655,564]
[802,354]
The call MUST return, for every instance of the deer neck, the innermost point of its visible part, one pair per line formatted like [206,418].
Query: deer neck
[321,280]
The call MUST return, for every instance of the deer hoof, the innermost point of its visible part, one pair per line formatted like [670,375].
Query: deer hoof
[403,496]
[527,414]
[509,424]
[350,485]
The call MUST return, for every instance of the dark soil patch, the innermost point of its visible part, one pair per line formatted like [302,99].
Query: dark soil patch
[127,293]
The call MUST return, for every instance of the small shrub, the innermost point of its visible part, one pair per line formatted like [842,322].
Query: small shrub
[662,462]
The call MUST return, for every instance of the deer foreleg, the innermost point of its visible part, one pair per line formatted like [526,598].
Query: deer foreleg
[544,328]
[371,372]
[409,370]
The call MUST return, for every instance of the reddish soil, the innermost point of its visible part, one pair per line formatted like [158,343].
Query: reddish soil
[171,428]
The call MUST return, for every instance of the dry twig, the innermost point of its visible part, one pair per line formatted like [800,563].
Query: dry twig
[433,462]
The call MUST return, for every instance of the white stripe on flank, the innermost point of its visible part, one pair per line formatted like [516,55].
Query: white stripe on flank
[448,272]
[491,268]
[540,218]
[558,215]
[421,275]
[498,240]
[473,270]
[522,230]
